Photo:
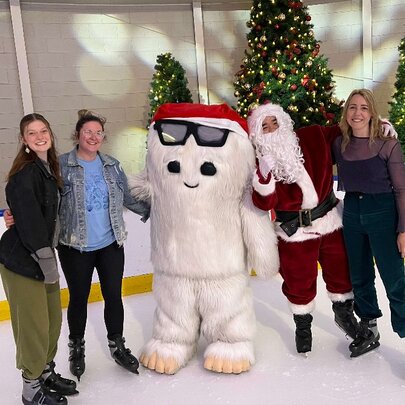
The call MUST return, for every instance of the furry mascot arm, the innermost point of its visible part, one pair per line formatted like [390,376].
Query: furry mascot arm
[140,187]
[260,238]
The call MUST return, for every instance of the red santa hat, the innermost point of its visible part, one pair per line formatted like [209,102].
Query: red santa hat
[218,116]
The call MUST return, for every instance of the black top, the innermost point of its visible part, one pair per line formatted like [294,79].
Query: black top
[372,169]
[32,195]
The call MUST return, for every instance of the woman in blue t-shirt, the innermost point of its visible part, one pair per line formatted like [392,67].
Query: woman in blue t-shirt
[95,191]
[372,173]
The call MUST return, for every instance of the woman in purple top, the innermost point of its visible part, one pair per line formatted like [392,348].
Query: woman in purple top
[372,173]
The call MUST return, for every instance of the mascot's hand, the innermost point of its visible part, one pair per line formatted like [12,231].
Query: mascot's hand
[266,164]
[388,129]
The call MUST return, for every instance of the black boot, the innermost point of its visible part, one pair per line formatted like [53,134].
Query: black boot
[76,357]
[122,355]
[345,318]
[367,338]
[34,394]
[303,335]
[54,382]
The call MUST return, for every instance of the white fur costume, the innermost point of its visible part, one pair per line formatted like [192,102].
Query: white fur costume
[206,234]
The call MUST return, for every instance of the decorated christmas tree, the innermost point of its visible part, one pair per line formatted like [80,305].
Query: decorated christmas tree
[169,84]
[283,65]
[397,112]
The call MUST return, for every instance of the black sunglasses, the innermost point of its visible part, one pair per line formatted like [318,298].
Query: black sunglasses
[176,132]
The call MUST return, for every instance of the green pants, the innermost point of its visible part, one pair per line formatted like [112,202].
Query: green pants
[36,318]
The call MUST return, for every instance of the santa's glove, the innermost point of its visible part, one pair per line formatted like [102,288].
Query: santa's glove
[47,262]
[266,164]
[388,129]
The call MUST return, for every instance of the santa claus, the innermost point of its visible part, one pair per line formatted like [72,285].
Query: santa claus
[295,178]
[206,234]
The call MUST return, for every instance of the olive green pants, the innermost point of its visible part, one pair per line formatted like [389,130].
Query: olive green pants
[36,319]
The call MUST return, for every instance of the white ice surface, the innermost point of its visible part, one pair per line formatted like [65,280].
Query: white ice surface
[280,376]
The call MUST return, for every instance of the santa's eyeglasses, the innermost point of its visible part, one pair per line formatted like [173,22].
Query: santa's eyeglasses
[176,132]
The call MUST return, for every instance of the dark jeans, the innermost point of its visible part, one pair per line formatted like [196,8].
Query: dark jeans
[78,268]
[370,230]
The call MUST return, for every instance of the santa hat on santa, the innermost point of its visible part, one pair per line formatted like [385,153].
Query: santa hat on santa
[217,115]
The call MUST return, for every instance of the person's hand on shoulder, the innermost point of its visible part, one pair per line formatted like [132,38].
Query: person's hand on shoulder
[8,218]
[388,129]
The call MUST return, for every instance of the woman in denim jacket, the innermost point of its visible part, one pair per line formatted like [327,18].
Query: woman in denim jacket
[92,234]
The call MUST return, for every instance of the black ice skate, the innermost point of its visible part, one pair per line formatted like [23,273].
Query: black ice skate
[122,355]
[35,394]
[303,334]
[54,382]
[76,357]
[367,339]
[344,317]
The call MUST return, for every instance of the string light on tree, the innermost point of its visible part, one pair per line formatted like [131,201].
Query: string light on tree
[288,62]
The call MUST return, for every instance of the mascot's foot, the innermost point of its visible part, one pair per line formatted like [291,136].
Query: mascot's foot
[229,358]
[226,366]
[162,365]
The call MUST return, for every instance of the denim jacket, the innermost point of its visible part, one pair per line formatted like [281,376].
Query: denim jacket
[72,213]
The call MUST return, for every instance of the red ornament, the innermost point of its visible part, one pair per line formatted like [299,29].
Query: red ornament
[297,51]
[258,27]
[264,54]
[276,26]
[293,87]
[294,71]
[273,69]
[308,18]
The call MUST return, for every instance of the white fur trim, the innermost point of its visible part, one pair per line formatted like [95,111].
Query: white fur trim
[302,309]
[309,195]
[334,297]
[263,189]
[231,351]
[329,223]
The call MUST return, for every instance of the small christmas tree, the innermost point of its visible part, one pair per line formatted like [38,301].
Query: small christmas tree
[169,84]
[397,112]
[283,65]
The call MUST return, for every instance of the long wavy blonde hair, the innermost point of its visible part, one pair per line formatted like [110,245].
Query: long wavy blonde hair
[375,124]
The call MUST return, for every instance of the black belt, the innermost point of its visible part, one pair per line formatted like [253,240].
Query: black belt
[292,220]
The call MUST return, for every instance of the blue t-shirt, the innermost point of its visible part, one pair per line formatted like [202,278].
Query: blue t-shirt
[99,230]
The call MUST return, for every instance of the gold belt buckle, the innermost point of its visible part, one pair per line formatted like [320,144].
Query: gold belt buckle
[301,217]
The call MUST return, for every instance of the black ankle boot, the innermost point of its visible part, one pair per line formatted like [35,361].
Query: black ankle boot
[344,317]
[76,357]
[35,394]
[54,382]
[367,338]
[303,334]
[122,355]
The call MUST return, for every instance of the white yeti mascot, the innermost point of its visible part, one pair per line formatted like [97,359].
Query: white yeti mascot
[205,236]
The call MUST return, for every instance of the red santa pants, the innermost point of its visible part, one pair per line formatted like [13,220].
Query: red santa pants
[299,267]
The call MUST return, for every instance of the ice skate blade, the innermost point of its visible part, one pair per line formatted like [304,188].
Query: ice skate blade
[304,355]
[371,347]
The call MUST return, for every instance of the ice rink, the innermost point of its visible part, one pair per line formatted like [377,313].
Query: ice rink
[280,376]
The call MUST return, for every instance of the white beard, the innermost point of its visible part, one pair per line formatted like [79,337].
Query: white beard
[282,145]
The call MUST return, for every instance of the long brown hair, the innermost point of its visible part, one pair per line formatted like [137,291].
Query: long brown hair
[375,124]
[23,158]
